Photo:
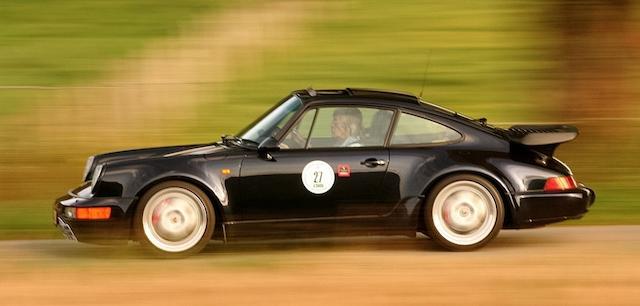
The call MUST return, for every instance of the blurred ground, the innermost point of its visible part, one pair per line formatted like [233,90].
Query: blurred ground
[588,265]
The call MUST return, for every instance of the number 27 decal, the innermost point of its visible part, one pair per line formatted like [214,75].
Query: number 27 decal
[318,177]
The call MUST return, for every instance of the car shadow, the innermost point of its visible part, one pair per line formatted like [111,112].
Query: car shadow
[508,240]
[71,250]
[375,243]
[74,250]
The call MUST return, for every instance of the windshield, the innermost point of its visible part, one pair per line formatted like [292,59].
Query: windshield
[272,121]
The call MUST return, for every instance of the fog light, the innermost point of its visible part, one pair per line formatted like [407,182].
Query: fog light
[70,212]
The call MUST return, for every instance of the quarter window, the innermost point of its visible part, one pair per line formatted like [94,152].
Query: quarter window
[417,130]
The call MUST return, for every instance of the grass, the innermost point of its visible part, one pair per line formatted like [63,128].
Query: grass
[65,42]
[27,219]
[46,44]
[613,206]
[480,58]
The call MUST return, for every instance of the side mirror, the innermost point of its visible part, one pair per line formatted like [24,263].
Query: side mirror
[270,144]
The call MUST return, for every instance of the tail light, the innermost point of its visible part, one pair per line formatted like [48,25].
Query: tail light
[560,183]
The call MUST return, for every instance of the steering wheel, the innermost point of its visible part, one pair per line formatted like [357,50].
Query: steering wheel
[294,139]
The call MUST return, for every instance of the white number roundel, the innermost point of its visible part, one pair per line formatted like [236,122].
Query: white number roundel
[318,177]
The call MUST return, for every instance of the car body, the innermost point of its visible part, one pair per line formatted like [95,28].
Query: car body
[404,166]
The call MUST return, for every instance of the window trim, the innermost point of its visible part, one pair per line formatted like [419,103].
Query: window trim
[269,111]
[313,124]
[392,128]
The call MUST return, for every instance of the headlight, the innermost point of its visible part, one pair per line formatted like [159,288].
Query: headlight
[96,176]
[87,167]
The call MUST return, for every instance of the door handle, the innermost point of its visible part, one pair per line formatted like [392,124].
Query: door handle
[373,162]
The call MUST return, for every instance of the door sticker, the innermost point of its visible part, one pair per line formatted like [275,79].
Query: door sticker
[318,177]
[344,170]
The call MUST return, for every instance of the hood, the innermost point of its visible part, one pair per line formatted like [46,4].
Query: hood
[170,151]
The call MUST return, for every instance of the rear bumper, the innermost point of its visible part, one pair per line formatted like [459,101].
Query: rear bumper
[537,209]
[113,230]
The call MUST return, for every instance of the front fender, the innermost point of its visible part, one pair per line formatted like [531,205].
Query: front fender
[131,179]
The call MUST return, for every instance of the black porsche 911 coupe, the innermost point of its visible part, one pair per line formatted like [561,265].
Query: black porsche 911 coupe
[331,162]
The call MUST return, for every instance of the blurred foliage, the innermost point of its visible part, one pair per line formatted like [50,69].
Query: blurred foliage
[62,42]
[497,59]
[481,57]
[500,59]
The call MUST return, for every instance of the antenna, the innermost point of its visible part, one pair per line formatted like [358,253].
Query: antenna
[424,77]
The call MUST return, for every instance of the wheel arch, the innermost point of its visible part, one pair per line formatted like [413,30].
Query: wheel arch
[502,185]
[208,191]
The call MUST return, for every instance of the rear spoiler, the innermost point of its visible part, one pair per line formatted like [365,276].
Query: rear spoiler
[542,138]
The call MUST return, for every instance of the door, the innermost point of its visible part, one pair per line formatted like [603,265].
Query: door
[331,165]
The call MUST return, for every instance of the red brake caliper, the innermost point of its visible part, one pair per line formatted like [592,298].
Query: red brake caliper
[445,213]
[156,216]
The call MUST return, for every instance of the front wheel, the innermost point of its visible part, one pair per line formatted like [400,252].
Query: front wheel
[174,219]
[463,213]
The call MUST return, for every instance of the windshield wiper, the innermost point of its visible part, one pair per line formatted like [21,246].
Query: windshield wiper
[239,142]
[482,120]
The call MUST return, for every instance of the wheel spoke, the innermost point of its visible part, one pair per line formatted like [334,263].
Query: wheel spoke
[464,212]
[174,219]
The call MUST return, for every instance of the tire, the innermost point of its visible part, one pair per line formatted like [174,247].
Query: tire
[174,219]
[463,212]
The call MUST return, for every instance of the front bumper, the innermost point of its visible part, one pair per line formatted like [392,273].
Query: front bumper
[65,228]
[540,208]
[113,230]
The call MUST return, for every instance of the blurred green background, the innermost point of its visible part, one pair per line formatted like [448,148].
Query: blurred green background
[83,77]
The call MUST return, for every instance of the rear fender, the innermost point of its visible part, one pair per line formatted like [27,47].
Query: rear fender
[501,183]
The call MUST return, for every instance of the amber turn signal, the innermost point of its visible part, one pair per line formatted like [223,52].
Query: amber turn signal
[93,213]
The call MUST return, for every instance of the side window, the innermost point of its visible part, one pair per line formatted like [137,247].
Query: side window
[350,127]
[297,136]
[416,130]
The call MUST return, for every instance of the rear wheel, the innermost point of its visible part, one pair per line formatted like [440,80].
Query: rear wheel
[174,219]
[463,212]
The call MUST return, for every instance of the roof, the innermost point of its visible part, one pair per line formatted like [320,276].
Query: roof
[312,94]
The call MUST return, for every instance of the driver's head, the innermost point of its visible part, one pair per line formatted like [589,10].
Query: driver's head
[347,122]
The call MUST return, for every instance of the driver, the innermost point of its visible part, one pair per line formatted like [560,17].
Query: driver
[346,127]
